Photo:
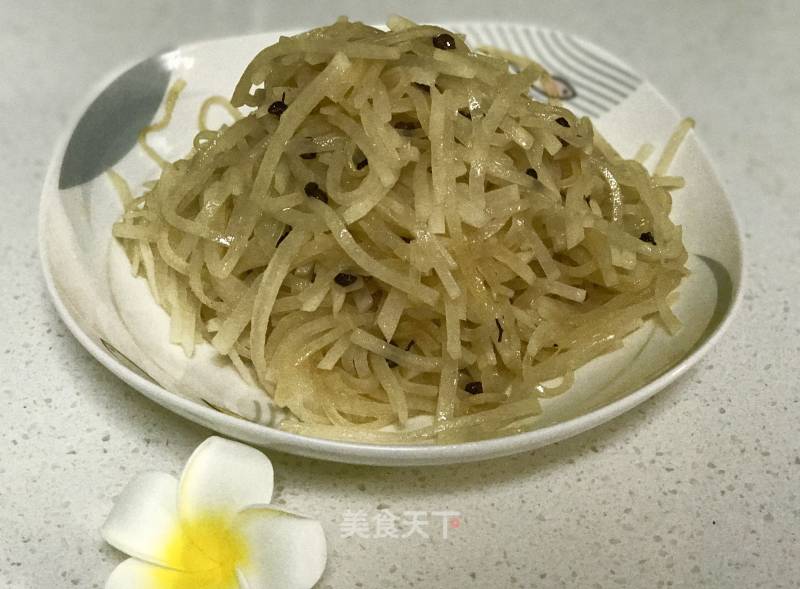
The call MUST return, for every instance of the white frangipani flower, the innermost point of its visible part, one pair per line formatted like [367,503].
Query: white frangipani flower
[213,529]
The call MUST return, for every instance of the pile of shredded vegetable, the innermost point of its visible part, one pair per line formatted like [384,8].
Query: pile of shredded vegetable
[398,242]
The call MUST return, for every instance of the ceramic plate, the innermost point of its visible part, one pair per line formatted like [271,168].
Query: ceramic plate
[113,316]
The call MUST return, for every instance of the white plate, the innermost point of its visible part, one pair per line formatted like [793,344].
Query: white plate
[114,317]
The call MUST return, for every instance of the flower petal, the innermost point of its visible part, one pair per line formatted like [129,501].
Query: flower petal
[136,574]
[285,550]
[222,477]
[145,518]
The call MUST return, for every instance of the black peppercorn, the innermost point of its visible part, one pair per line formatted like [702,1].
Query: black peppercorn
[444,41]
[345,279]
[474,388]
[648,237]
[313,190]
[278,107]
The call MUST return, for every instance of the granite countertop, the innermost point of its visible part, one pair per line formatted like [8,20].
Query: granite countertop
[699,486]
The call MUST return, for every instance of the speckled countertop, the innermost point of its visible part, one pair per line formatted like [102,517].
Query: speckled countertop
[698,487]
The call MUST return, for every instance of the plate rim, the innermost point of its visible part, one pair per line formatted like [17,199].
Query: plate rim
[354,452]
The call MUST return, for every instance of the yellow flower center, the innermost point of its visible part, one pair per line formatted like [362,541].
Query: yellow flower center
[209,550]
